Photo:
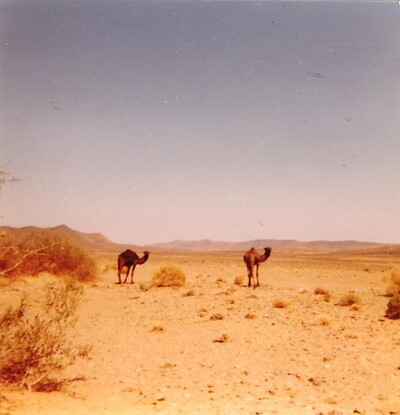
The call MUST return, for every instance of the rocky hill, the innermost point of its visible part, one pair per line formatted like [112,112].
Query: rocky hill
[88,241]
[98,242]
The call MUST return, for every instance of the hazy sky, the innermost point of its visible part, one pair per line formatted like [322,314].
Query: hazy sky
[150,121]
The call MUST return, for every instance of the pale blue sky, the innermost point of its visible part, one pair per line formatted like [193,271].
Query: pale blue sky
[160,120]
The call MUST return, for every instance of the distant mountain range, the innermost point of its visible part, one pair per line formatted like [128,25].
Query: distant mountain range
[98,242]
[278,245]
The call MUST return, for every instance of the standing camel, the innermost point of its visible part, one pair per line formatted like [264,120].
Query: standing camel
[253,258]
[130,259]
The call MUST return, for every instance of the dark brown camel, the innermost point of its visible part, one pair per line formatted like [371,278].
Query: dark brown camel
[252,259]
[130,259]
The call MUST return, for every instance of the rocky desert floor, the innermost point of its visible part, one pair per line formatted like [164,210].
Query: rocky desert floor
[216,347]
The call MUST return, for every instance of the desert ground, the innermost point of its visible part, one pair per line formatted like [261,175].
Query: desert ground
[216,347]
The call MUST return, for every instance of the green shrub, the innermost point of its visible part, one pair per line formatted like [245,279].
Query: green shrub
[35,341]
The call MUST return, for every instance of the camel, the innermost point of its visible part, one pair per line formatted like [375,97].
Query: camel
[252,259]
[130,259]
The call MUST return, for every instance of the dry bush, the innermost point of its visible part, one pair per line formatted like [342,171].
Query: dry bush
[189,293]
[280,303]
[168,276]
[394,284]
[42,254]
[222,339]
[393,308]
[158,329]
[36,342]
[217,316]
[323,292]
[324,320]
[238,280]
[349,300]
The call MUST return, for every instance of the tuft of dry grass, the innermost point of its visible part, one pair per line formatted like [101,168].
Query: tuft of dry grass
[349,300]
[238,280]
[157,329]
[217,316]
[189,293]
[394,284]
[250,316]
[222,339]
[324,320]
[325,293]
[280,303]
[168,276]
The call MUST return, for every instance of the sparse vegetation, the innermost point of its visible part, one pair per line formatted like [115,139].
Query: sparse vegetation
[324,320]
[217,316]
[394,284]
[189,293]
[42,254]
[36,342]
[158,329]
[238,280]
[280,303]
[168,276]
[222,339]
[349,300]
[393,308]
[325,293]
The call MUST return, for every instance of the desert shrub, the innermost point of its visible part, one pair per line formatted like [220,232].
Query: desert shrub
[325,293]
[324,320]
[222,339]
[189,293]
[349,300]
[157,329]
[238,280]
[36,342]
[168,276]
[393,308]
[394,284]
[43,254]
[280,303]
[217,316]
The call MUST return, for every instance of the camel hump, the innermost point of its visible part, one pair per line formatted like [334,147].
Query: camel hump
[128,254]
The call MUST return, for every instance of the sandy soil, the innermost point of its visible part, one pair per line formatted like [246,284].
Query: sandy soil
[213,347]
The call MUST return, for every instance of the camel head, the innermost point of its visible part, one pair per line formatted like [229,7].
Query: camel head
[267,252]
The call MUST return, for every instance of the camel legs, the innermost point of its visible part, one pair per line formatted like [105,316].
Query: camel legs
[133,270]
[119,272]
[258,282]
[249,275]
[127,273]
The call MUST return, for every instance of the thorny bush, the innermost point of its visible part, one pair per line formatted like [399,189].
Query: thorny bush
[36,342]
[43,254]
